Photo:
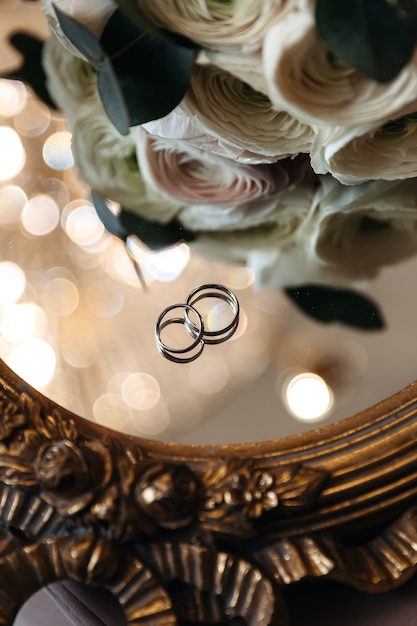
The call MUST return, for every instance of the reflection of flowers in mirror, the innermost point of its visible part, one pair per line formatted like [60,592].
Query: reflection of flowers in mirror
[252,160]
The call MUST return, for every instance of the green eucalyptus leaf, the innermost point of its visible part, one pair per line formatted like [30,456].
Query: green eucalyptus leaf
[155,235]
[372,36]
[81,38]
[31,71]
[112,97]
[329,304]
[107,82]
[136,16]
[153,75]
[110,220]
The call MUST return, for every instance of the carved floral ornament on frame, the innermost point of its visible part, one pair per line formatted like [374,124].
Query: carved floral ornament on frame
[210,535]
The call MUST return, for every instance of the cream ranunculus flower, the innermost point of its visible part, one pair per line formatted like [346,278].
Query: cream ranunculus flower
[188,175]
[284,208]
[272,250]
[231,110]
[361,228]
[94,15]
[245,67]
[104,159]
[71,81]
[388,152]
[218,24]
[305,79]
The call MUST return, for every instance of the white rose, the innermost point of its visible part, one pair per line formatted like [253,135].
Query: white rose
[388,153]
[71,81]
[361,228]
[188,175]
[94,15]
[231,25]
[304,79]
[233,112]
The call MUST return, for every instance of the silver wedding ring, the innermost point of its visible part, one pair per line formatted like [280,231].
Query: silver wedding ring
[195,331]
[220,292]
[194,323]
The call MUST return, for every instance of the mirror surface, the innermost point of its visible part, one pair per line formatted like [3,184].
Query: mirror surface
[77,323]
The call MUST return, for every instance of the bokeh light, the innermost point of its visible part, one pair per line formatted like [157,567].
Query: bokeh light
[83,226]
[20,322]
[13,97]
[40,215]
[34,361]
[12,282]
[33,120]
[168,264]
[12,201]
[308,397]
[141,391]
[110,410]
[57,151]
[12,153]
[60,296]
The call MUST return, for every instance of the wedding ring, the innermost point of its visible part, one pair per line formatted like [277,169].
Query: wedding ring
[196,331]
[213,290]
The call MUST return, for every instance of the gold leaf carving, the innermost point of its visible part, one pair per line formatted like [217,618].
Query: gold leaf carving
[238,493]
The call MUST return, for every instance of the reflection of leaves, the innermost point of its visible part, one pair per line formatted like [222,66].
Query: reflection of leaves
[107,83]
[31,71]
[329,304]
[136,16]
[139,77]
[153,74]
[375,37]
[153,234]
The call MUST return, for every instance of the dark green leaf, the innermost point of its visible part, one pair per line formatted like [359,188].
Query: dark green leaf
[328,304]
[111,221]
[153,75]
[136,16]
[112,98]
[154,234]
[371,35]
[31,71]
[107,82]
[81,38]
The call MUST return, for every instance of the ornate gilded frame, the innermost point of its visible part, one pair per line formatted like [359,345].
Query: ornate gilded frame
[193,534]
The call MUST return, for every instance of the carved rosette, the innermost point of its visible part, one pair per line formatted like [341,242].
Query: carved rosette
[185,534]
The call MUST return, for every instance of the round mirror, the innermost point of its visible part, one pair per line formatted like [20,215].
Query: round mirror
[194,252]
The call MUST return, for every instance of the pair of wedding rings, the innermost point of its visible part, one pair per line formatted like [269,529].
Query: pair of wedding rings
[193,322]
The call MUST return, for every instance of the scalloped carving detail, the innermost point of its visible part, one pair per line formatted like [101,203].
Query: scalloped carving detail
[88,560]
[376,566]
[216,585]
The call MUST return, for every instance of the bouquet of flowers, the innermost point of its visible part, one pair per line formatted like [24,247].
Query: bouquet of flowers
[277,133]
